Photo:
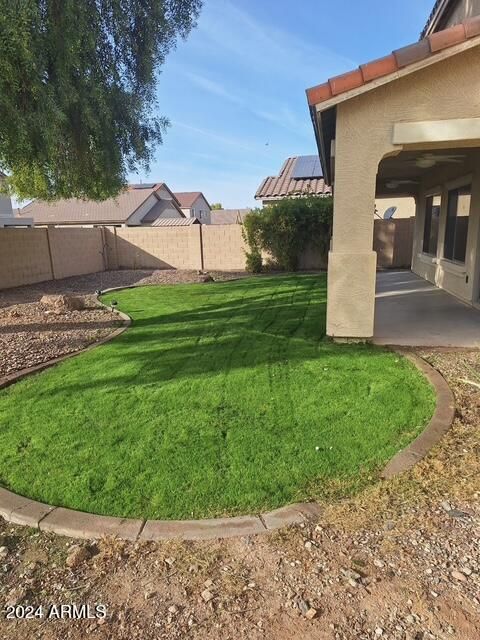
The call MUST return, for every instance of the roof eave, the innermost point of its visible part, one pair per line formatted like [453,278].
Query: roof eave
[323,152]
[405,71]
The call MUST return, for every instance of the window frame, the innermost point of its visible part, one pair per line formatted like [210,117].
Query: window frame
[455,185]
[432,193]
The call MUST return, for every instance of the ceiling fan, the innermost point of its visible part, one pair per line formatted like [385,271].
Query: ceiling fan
[429,160]
[394,184]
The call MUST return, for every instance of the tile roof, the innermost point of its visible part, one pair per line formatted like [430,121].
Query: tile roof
[399,59]
[75,211]
[175,222]
[228,216]
[439,6]
[187,198]
[284,185]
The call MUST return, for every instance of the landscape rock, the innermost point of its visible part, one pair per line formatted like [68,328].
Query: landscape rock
[458,575]
[62,303]
[207,595]
[77,555]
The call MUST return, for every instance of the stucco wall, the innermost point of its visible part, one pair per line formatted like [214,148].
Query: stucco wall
[168,212]
[405,207]
[201,206]
[5,207]
[460,279]
[448,89]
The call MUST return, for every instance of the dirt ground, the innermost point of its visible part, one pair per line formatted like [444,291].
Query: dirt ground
[399,561]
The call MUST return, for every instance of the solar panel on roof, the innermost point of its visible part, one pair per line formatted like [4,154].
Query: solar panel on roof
[144,185]
[307,167]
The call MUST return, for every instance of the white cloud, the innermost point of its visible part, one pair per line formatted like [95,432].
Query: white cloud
[230,141]
[280,115]
[267,48]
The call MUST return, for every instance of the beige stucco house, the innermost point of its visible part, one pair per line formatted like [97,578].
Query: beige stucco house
[303,175]
[138,205]
[194,205]
[407,124]
[7,218]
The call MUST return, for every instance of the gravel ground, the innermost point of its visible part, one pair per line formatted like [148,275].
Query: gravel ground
[29,335]
[398,561]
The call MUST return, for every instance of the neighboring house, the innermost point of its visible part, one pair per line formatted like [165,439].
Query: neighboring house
[138,205]
[446,13]
[299,175]
[229,216]
[194,205]
[302,175]
[7,218]
[175,222]
[407,124]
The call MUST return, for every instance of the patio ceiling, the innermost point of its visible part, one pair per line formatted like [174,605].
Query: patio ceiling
[402,174]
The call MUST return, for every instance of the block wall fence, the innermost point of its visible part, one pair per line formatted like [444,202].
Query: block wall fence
[34,255]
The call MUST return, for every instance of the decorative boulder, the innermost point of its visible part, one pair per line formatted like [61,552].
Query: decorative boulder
[62,303]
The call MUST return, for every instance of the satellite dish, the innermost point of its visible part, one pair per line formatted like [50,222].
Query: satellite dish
[389,213]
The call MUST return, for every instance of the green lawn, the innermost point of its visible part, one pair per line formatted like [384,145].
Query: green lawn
[221,398]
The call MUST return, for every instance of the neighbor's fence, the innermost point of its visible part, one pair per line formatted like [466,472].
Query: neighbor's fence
[393,241]
[34,255]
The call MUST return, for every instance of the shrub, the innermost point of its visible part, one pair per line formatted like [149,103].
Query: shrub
[286,228]
[254,262]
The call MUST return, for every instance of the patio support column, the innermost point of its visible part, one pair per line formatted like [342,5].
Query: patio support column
[352,261]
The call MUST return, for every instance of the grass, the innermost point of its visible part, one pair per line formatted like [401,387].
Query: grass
[221,398]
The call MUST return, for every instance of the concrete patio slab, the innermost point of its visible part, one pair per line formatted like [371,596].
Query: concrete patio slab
[410,311]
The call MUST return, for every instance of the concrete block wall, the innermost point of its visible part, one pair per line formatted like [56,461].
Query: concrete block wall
[154,248]
[223,247]
[24,257]
[76,252]
[34,255]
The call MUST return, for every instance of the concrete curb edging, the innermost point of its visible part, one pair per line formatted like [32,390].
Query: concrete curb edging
[77,524]
[439,424]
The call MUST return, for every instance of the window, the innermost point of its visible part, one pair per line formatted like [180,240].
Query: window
[456,230]
[430,230]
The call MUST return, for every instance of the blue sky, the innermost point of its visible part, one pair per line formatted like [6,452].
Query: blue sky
[235,90]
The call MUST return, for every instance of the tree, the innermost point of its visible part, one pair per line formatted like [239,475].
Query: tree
[216,206]
[77,91]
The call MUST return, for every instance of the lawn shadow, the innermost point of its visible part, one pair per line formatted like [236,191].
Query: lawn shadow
[217,337]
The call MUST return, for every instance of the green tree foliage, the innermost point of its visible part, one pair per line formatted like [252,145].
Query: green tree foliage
[286,228]
[216,206]
[77,91]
